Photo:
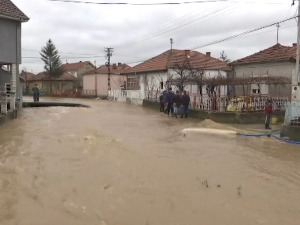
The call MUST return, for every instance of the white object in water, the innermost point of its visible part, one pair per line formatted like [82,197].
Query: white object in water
[209,131]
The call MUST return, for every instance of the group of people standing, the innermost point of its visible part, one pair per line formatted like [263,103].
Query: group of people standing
[174,104]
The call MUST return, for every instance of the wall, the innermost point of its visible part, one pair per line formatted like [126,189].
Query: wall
[5,77]
[284,69]
[10,42]
[224,117]
[100,83]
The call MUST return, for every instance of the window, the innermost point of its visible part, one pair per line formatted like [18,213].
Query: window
[161,85]
[255,91]
[133,83]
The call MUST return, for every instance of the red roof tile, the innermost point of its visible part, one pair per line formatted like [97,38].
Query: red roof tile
[75,66]
[10,10]
[114,69]
[173,58]
[275,53]
[43,76]
[28,76]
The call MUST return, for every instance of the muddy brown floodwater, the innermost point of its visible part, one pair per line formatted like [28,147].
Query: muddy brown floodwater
[118,164]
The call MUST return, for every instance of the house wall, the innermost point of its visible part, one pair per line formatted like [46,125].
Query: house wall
[153,81]
[57,86]
[10,42]
[282,69]
[5,77]
[99,82]
[79,73]
[156,81]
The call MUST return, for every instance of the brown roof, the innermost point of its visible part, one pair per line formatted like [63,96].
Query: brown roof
[10,10]
[275,53]
[43,76]
[114,69]
[174,58]
[76,66]
[28,75]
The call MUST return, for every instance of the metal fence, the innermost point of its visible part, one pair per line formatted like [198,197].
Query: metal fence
[292,114]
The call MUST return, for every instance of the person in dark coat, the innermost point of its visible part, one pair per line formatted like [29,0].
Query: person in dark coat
[185,104]
[162,100]
[176,104]
[169,100]
[36,93]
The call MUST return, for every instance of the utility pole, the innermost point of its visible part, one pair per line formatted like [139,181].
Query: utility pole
[295,79]
[277,25]
[109,52]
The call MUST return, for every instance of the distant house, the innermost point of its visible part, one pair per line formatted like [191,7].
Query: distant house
[173,68]
[272,68]
[78,69]
[64,85]
[11,18]
[27,76]
[95,82]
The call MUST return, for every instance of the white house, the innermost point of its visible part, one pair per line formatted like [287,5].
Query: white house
[173,68]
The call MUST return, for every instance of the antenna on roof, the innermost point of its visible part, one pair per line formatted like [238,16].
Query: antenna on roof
[277,25]
[171,42]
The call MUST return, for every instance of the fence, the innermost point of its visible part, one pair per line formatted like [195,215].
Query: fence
[212,103]
[292,115]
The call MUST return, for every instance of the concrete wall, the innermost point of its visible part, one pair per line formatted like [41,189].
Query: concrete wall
[99,82]
[283,69]
[224,117]
[5,77]
[10,42]
[9,116]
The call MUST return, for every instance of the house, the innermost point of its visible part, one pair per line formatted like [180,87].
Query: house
[78,69]
[180,69]
[64,85]
[27,77]
[95,82]
[271,69]
[11,18]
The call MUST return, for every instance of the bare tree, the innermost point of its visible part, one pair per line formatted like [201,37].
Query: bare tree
[182,75]
[223,56]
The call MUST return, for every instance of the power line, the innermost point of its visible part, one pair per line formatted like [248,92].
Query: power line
[138,4]
[153,4]
[244,33]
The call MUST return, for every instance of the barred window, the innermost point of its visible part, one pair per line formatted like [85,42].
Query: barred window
[133,83]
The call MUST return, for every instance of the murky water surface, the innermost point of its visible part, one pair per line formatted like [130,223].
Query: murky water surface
[116,164]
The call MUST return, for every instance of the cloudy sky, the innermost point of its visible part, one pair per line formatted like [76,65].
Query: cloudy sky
[81,31]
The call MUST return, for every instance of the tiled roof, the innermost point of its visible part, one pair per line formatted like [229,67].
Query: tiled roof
[76,66]
[10,10]
[114,69]
[174,58]
[28,76]
[43,76]
[275,53]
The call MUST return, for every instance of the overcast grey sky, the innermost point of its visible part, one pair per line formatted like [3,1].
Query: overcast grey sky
[81,31]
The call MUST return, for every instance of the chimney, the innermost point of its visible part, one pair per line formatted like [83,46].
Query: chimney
[294,44]
[119,64]
[187,53]
[114,66]
[208,54]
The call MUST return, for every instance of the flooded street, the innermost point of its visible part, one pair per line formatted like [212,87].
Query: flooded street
[119,164]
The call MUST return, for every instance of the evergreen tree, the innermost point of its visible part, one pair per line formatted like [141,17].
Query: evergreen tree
[51,58]
[53,65]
